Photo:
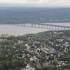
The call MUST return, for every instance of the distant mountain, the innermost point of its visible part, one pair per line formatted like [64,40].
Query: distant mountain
[34,15]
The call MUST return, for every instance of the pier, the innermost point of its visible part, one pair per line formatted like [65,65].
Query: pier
[48,26]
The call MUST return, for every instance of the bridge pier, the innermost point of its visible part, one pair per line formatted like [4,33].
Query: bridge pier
[47,26]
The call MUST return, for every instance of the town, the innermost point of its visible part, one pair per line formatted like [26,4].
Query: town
[42,51]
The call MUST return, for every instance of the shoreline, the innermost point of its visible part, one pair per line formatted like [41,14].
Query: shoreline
[19,29]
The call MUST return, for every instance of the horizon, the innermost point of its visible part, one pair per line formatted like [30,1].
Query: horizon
[31,6]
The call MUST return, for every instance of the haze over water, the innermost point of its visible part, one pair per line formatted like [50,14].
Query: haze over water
[19,29]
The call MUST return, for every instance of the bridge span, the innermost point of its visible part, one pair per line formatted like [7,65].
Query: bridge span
[47,26]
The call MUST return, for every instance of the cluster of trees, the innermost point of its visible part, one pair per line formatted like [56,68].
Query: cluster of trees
[15,54]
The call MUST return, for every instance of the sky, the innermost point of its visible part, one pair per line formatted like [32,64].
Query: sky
[36,2]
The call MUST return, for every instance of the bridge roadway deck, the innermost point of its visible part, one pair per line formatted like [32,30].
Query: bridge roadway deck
[47,26]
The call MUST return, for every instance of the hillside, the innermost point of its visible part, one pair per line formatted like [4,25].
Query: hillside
[41,51]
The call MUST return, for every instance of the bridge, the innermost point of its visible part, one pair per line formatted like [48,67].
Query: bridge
[47,26]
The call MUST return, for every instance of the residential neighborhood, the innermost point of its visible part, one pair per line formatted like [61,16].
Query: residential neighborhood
[41,51]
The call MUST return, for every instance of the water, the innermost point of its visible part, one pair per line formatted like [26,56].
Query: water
[34,15]
[13,29]
[9,17]
[19,29]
